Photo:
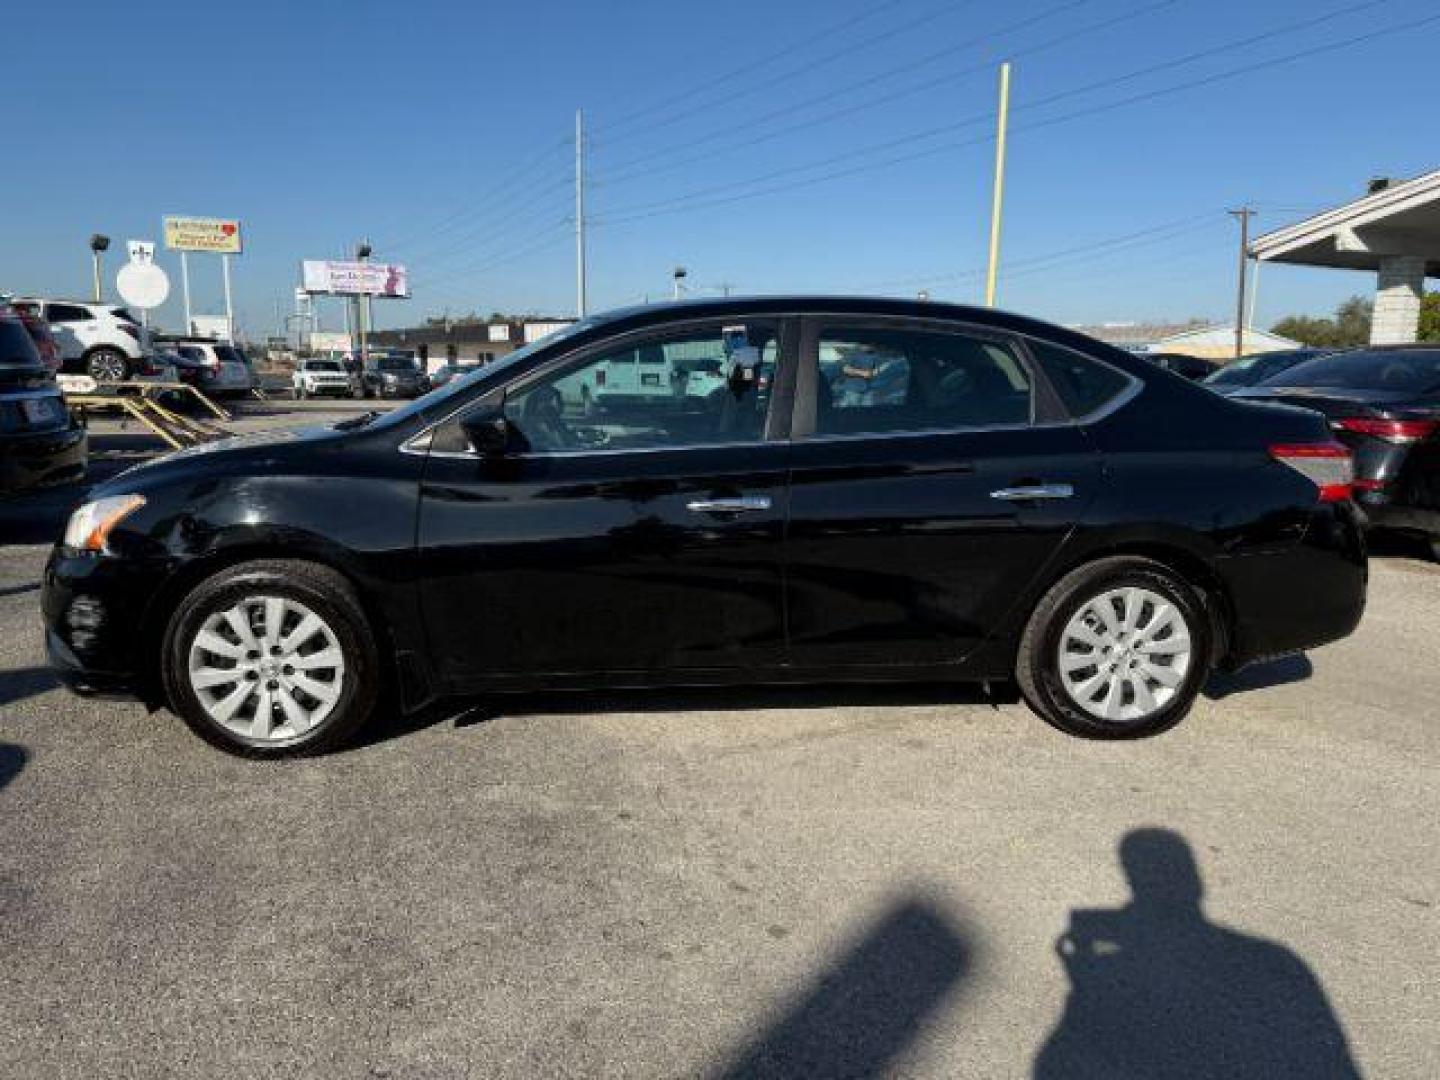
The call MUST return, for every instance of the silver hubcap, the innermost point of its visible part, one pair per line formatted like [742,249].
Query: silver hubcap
[107,367]
[1124,654]
[268,668]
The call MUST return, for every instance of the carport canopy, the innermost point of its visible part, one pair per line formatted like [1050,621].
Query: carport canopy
[1394,231]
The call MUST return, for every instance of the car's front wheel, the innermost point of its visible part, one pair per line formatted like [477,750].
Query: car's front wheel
[1118,648]
[272,658]
[107,365]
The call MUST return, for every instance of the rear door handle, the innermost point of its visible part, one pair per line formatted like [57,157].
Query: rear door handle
[745,504]
[1029,492]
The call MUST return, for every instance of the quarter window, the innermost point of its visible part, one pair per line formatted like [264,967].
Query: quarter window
[890,379]
[1083,385]
[692,388]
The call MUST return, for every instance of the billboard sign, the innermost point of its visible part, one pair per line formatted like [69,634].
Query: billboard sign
[340,278]
[218,235]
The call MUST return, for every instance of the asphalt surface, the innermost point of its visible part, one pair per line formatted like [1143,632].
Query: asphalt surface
[824,882]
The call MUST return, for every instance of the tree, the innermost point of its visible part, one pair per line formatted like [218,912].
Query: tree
[1350,326]
[1430,317]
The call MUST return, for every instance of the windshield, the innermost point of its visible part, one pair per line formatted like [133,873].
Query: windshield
[394,363]
[323,365]
[1249,370]
[228,354]
[436,400]
[1412,370]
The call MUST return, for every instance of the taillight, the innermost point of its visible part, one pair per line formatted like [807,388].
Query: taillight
[1392,431]
[1329,466]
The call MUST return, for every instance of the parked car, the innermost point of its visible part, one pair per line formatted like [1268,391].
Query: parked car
[101,340]
[387,375]
[40,441]
[214,367]
[321,378]
[1193,368]
[442,375]
[40,334]
[1384,403]
[1255,369]
[1038,506]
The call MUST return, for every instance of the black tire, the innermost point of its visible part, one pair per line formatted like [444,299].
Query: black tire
[1037,667]
[324,592]
[107,365]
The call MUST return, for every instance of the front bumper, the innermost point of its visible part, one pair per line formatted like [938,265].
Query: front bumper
[1301,597]
[96,611]
[29,460]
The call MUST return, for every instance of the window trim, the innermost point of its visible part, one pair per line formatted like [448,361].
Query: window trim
[777,419]
[1046,409]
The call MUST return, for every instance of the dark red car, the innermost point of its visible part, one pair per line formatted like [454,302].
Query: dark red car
[45,343]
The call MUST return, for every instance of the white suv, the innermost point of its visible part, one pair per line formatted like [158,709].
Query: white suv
[101,340]
[317,377]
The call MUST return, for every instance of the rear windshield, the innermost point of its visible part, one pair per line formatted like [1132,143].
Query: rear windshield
[1415,370]
[1249,370]
[16,348]
[228,354]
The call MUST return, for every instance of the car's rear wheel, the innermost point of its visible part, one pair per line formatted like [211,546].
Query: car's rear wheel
[1118,648]
[272,658]
[108,365]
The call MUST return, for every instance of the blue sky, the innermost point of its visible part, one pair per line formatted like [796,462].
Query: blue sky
[785,145]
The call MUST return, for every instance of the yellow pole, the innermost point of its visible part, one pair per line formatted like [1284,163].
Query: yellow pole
[997,205]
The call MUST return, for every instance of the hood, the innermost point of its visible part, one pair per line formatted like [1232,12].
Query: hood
[237,452]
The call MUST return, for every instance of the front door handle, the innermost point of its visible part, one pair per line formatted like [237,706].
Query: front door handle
[745,504]
[1032,492]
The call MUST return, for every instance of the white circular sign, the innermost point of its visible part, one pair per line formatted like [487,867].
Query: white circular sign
[142,285]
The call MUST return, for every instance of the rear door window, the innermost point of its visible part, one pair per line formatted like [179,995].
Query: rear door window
[67,313]
[881,379]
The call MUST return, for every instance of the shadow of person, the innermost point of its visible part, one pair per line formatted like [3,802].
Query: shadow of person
[868,1005]
[1157,990]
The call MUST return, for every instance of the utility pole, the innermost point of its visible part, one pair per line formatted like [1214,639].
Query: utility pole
[579,213]
[185,285]
[998,201]
[1242,215]
[362,255]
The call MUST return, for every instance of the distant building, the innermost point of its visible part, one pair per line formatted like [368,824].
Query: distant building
[1218,342]
[1134,336]
[465,341]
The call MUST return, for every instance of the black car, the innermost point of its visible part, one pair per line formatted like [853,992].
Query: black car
[1384,403]
[392,376]
[1194,368]
[40,441]
[1257,368]
[1029,505]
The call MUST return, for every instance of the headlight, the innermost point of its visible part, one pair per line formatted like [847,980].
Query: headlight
[90,526]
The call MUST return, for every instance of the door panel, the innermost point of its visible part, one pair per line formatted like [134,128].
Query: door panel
[597,563]
[898,553]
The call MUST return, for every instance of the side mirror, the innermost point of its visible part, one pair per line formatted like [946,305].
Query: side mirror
[488,432]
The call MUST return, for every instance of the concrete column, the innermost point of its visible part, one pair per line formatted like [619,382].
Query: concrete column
[1399,289]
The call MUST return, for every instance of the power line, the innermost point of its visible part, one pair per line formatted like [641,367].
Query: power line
[714,196]
[789,73]
[753,65]
[626,167]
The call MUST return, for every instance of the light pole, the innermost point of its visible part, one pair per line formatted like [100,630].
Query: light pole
[678,276]
[99,244]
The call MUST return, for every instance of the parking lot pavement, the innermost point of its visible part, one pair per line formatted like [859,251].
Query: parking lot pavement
[803,882]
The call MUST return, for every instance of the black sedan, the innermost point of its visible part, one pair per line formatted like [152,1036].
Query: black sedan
[1384,403]
[1256,369]
[40,442]
[1016,502]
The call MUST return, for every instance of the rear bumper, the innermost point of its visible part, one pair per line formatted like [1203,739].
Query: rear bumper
[29,460]
[1394,516]
[1300,598]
